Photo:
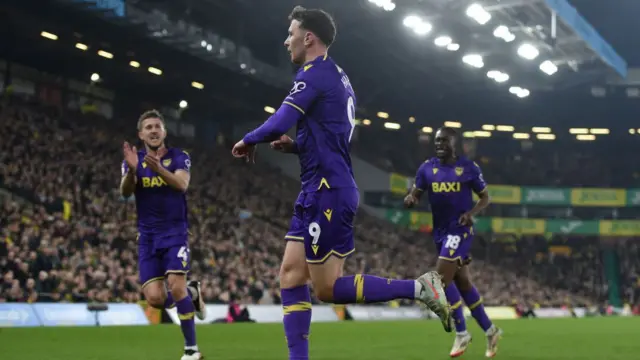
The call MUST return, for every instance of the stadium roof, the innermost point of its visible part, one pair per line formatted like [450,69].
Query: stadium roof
[392,69]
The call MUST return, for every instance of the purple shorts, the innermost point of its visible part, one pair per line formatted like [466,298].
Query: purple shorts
[156,261]
[454,244]
[323,221]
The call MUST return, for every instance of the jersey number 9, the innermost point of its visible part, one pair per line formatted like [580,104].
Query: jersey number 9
[351,114]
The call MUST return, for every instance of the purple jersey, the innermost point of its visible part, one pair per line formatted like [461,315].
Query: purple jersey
[323,93]
[450,191]
[162,210]
[322,104]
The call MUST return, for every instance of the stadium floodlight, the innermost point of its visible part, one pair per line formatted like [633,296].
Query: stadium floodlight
[474,60]
[203,43]
[82,46]
[519,92]
[387,5]
[427,130]
[479,133]
[632,131]
[95,77]
[468,134]
[528,51]
[105,54]
[545,136]
[183,104]
[599,131]
[269,109]
[134,64]
[209,47]
[548,67]
[412,119]
[453,47]
[391,126]
[506,128]
[453,124]
[504,33]
[442,41]
[155,71]
[539,129]
[498,76]
[576,131]
[585,137]
[48,35]
[488,127]
[521,136]
[383,115]
[197,85]
[417,24]
[366,122]
[478,13]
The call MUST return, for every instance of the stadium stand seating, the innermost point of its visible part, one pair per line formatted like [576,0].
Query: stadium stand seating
[66,235]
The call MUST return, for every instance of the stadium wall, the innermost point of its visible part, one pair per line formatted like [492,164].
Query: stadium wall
[62,314]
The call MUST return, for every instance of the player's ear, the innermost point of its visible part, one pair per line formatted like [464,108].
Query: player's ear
[308,38]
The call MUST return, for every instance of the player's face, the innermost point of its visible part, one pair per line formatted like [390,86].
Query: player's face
[295,43]
[444,145]
[152,133]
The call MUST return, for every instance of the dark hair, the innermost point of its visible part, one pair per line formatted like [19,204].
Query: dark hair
[149,114]
[317,21]
[449,131]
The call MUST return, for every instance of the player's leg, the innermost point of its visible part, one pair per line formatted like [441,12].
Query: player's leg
[294,291]
[473,300]
[329,217]
[176,260]
[463,338]
[152,275]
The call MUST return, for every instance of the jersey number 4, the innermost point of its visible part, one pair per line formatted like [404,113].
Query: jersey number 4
[183,253]
[351,114]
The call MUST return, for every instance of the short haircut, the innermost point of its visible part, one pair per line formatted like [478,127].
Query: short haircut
[317,21]
[149,114]
[449,131]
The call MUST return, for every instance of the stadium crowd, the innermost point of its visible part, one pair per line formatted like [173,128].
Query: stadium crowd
[67,235]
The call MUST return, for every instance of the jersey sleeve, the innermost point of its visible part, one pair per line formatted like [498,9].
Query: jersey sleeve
[183,161]
[422,182]
[477,180]
[305,90]
[124,168]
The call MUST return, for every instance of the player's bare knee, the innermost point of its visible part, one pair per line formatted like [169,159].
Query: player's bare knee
[463,280]
[155,299]
[447,269]
[293,275]
[324,291]
[177,284]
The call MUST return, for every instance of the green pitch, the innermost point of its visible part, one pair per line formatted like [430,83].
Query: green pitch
[544,339]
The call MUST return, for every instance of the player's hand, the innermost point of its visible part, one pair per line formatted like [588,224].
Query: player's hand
[466,219]
[153,162]
[242,150]
[284,144]
[130,156]
[410,201]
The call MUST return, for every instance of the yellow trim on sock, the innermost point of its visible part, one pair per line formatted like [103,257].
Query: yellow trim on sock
[456,305]
[475,304]
[301,306]
[358,282]
[187,316]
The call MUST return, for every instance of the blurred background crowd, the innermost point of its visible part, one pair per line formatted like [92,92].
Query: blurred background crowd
[67,235]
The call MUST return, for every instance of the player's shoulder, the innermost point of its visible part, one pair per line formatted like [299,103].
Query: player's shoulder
[468,163]
[427,164]
[177,152]
[321,70]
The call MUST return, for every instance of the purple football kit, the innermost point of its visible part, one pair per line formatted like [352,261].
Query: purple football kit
[326,207]
[162,219]
[450,189]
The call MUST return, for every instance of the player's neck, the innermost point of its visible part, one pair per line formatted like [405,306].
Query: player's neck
[152,151]
[314,53]
[450,160]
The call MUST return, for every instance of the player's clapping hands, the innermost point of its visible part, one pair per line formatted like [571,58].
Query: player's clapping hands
[153,161]
[130,155]
[284,144]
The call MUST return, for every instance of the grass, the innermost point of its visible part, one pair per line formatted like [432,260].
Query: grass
[540,339]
